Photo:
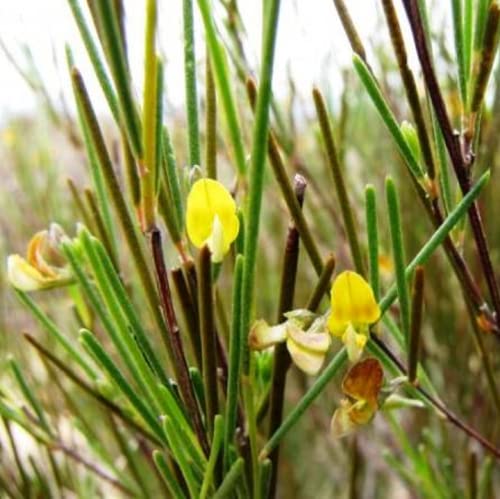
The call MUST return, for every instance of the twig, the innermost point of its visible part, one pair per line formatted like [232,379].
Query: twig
[282,357]
[208,337]
[89,390]
[417,305]
[450,416]
[460,164]
[180,366]
[73,454]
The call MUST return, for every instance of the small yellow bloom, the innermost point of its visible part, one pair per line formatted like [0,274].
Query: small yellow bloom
[44,266]
[306,348]
[211,217]
[362,385]
[353,309]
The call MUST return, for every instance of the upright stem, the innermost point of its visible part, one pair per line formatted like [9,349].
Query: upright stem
[460,164]
[208,336]
[210,122]
[338,179]
[281,175]
[417,305]
[190,83]
[437,404]
[281,356]
[180,363]
[409,84]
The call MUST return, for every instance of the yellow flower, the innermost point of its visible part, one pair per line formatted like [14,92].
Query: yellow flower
[307,348]
[44,266]
[211,217]
[362,385]
[353,309]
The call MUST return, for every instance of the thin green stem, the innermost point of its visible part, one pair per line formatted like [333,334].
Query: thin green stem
[147,161]
[231,480]
[96,350]
[339,182]
[417,305]
[30,396]
[350,29]
[222,79]
[300,408]
[235,347]
[102,231]
[95,58]
[190,83]
[458,31]
[438,237]
[410,88]
[372,232]
[167,475]
[256,187]
[398,255]
[129,228]
[210,122]
[114,51]
[375,92]
[171,176]
[208,478]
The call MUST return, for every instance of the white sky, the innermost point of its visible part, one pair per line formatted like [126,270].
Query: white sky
[309,33]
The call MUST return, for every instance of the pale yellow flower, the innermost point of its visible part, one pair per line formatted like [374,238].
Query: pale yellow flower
[44,266]
[307,348]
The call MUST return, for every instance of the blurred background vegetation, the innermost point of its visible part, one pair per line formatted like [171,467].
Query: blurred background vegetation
[410,454]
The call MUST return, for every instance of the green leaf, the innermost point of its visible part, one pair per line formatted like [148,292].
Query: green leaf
[222,80]
[398,254]
[386,114]
[438,237]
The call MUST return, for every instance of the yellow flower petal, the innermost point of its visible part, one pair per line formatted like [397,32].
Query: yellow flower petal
[216,243]
[263,336]
[317,342]
[307,360]
[342,425]
[45,266]
[211,216]
[34,254]
[354,342]
[24,276]
[352,301]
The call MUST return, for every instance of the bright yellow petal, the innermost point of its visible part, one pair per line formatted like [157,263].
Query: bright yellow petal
[352,300]
[24,276]
[207,200]
[336,326]
[355,343]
